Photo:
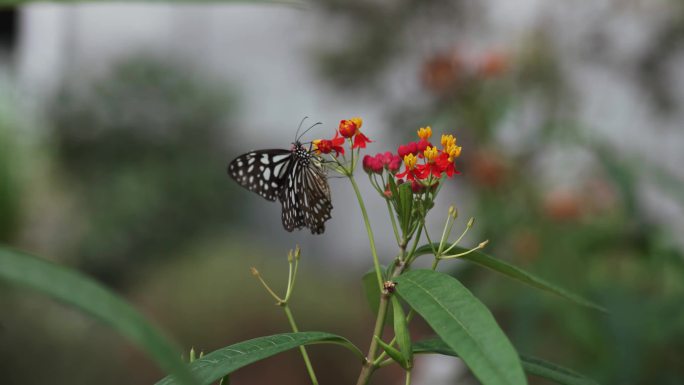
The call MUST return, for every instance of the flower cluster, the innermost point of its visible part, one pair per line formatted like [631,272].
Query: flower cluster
[424,162]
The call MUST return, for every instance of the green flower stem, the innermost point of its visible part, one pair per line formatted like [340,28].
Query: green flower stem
[302,349]
[427,235]
[369,367]
[371,238]
[394,223]
[408,377]
[370,364]
[471,221]
[410,256]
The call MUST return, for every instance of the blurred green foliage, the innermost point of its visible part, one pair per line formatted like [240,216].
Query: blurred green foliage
[10,190]
[142,148]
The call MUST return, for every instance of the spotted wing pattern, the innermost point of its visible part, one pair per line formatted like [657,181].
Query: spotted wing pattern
[295,177]
[261,171]
[291,197]
[317,205]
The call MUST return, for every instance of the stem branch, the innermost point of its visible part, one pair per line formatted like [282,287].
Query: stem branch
[302,349]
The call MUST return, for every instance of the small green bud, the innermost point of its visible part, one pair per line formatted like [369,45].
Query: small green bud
[192,355]
[297,252]
[254,271]
[483,244]
[471,222]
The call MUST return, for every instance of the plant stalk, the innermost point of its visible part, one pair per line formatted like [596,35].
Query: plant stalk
[302,349]
[371,238]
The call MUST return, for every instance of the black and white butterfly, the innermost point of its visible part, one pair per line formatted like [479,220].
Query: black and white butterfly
[296,177]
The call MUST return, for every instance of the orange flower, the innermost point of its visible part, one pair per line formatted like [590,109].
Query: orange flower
[348,128]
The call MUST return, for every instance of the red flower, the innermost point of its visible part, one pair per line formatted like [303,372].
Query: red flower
[429,169]
[360,140]
[415,148]
[337,143]
[447,166]
[326,146]
[409,148]
[373,164]
[348,128]
[422,144]
[392,162]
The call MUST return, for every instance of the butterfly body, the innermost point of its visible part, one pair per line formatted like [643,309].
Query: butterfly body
[295,177]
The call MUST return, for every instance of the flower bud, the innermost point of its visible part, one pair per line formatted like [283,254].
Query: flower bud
[403,150]
[367,160]
[378,164]
[348,128]
[425,133]
[387,192]
[421,145]
[394,164]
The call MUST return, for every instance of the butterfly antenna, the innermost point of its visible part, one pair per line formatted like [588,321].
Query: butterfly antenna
[300,126]
[308,129]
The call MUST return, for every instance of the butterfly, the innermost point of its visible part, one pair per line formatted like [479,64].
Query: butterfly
[296,177]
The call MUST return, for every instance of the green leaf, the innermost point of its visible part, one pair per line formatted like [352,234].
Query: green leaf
[401,331]
[372,292]
[406,207]
[87,295]
[395,194]
[531,365]
[224,361]
[393,353]
[516,273]
[464,324]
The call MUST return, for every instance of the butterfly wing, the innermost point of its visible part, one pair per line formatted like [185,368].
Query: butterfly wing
[292,196]
[317,204]
[261,171]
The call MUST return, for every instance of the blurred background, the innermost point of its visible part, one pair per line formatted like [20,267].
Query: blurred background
[117,122]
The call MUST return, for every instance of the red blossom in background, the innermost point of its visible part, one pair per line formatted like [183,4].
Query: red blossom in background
[415,148]
[383,161]
[405,149]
